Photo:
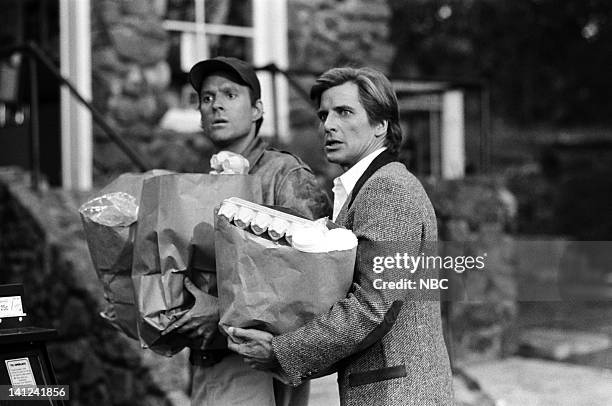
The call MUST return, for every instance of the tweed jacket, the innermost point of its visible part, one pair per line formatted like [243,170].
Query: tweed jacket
[387,346]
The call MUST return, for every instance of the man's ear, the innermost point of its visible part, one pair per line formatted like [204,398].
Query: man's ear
[257,110]
[381,128]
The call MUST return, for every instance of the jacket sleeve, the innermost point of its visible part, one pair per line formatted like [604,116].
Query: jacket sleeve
[300,191]
[384,210]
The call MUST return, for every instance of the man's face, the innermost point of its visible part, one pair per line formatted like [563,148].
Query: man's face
[227,115]
[349,136]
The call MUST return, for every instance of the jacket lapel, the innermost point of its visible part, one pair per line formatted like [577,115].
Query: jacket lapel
[381,160]
[254,151]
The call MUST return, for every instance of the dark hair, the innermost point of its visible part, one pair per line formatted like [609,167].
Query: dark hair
[259,121]
[375,94]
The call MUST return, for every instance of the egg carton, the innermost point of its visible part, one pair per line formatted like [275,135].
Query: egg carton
[261,219]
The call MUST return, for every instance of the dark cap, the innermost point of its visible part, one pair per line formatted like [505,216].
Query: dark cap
[242,70]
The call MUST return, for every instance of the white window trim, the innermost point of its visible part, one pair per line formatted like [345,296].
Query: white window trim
[453,135]
[446,110]
[215,29]
[76,121]
[270,47]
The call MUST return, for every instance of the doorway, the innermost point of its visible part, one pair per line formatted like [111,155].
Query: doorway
[22,21]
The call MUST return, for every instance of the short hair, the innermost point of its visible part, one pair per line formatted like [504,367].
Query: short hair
[259,121]
[376,94]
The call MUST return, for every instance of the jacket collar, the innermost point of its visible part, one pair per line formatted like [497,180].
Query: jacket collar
[254,151]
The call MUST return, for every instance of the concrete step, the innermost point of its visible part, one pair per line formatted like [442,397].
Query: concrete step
[511,382]
[561,344]
[529,382]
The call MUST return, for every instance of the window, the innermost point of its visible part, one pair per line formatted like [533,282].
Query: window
[252,30]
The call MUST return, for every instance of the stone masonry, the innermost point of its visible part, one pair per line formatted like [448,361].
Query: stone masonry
[131,76]
[324,34]
[475,217]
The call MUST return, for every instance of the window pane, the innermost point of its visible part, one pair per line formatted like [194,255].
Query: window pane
[230,12]
[218,45]
[226,45]
[181,10]
[183,45]
[174,54]
[179,78]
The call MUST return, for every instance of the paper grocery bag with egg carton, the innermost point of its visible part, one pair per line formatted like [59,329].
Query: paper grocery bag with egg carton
[276,271]
[175,239]
[109,221]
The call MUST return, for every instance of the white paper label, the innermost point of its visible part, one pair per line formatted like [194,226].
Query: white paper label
[10,306]
[20,371]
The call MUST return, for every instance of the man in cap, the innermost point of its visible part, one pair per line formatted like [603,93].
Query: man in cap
[231,116]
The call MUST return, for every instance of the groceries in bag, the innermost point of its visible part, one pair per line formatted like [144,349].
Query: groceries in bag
[282,278]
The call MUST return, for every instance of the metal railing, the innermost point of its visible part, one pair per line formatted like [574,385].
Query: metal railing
[35,56]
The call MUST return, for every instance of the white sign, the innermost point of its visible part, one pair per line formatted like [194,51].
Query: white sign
[10,306]
[20,372]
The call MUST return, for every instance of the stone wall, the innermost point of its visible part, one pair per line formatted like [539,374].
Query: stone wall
[42,246]
[326,33]
[559,194]
[476,216]
[131,77]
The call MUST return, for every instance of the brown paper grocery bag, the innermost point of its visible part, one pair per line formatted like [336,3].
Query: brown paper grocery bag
[110,235]
[274,287]
[174,239]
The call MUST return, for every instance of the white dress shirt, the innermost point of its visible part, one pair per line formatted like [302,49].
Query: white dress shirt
[345,183]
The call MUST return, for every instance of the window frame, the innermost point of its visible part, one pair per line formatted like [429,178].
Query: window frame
[275,90]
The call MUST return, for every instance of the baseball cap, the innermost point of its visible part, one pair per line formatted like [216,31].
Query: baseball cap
[235,66]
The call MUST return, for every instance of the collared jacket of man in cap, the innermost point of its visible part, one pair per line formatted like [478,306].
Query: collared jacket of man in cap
[231,115]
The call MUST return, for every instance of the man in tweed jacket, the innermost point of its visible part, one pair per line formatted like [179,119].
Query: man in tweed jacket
[386,344]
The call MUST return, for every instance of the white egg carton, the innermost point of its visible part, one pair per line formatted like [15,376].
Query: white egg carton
[261,219]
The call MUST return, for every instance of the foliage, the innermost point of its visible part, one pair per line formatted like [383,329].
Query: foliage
[545,60]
